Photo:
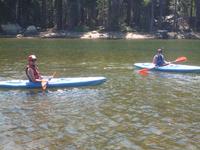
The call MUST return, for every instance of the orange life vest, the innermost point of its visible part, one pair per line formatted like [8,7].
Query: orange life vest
[35,72]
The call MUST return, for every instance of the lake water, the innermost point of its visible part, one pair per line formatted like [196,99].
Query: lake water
[155,112]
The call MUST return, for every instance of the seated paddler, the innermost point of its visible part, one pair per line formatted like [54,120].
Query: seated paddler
[159,59]
[32,71]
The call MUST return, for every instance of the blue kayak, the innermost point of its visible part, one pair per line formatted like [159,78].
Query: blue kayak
[54,83]
[169,68]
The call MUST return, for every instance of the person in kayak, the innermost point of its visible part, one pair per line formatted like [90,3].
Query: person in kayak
[158,59]
[32,71]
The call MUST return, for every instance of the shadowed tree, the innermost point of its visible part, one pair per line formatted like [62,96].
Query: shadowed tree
[59,14]
[44,14]
[114,14]
[197,22]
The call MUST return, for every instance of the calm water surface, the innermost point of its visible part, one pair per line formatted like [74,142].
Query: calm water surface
[157,112]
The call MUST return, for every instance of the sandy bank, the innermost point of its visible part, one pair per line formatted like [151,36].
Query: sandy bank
[107,35]
[96,35]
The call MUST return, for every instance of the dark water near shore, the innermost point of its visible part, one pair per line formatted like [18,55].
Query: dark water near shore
[157,112]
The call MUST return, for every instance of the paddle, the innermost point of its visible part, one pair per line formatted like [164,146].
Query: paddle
[145,70]
[44,82]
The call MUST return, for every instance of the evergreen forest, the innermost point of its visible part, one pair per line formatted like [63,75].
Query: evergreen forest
[107,15]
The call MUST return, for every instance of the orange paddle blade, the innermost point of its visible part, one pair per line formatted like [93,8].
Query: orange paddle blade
[44,84]
[181,59]
[144,71]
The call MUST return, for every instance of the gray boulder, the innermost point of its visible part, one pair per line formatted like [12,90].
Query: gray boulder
[11,29]
[30,31]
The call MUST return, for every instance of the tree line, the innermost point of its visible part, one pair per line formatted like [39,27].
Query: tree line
[109,15]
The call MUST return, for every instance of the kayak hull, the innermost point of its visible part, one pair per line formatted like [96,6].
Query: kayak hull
[54,83]
[170,68]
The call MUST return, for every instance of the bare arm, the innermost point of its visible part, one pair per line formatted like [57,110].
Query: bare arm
[154,59]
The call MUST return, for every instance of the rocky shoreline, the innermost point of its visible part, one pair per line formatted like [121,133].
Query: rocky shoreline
[106,35]
[160,34]
[15,31]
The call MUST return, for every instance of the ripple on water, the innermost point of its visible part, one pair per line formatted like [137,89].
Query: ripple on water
[128,112]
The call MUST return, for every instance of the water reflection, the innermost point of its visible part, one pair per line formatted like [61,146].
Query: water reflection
[33,120]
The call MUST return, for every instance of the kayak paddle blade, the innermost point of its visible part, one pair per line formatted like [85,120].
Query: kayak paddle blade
[44,84]
[143,72]
[181,59]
